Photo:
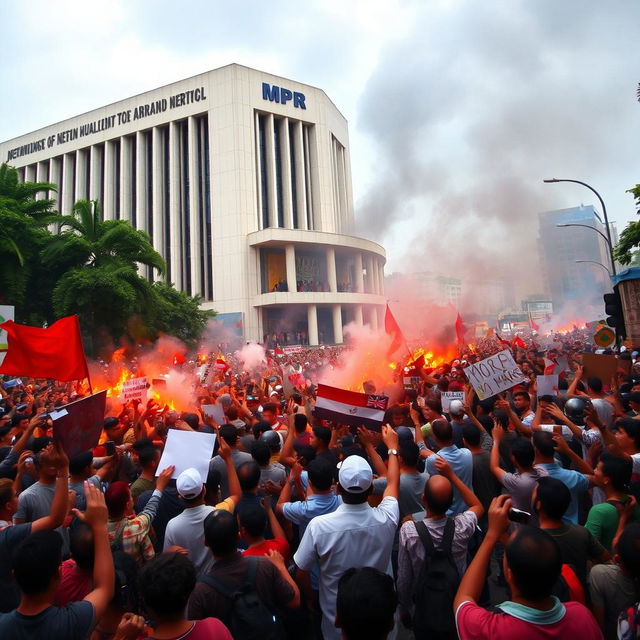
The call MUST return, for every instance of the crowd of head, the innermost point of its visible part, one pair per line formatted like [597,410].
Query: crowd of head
[515,514]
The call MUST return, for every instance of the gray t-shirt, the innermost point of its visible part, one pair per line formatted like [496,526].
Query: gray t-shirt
[73,622]
[35,503]
[612,590]
[78,487]
[521,485]
[218,463]
[410,494]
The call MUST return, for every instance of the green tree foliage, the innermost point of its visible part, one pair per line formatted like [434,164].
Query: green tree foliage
[90,268]
[630,237]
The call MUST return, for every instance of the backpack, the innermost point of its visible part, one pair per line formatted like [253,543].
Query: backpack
[250,618]
[436,586]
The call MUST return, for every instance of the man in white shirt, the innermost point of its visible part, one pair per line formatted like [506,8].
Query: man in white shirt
[355,534]
[187,529]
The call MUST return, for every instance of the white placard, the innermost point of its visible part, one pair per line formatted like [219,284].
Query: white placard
[447,396]
[61,413]
[215,411]
[494,374]
[7,312]
[186,449]
[547,385]
[134,389]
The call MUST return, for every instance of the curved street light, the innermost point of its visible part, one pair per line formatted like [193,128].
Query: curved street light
[604,213]
[586,226]
[595,262]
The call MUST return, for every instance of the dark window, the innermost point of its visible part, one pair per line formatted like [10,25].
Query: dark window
[186,208]
[294,188]
[165,203]
[277,126]
[263,171]
[133,215]
[117,174]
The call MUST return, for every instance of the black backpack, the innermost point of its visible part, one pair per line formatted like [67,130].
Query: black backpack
[436,586]
[250,618]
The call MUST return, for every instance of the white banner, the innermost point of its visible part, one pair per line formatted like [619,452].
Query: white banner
[447,396]
[494,374]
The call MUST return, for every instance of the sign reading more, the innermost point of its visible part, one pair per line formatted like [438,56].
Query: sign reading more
[494,374]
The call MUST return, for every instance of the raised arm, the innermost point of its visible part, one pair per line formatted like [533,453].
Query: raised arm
[366,438]
[494,459]
[470,498]
[235,490]
[390,438]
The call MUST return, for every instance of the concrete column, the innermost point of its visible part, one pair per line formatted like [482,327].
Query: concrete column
[194,208]
[337,324]
[175,243]
[142,175]
[381,277]
[258,170]
[359,278]
[368,283]
[81,175]
[271,171]
[285,162]
[68,183]
[158,196]
[331,269]
[30,173]
[42,175]
[290,258]
[312,324]
[375,284]
[95,174]
[298,147]
[373,318]
[110,208]
[357,315]
[55,167]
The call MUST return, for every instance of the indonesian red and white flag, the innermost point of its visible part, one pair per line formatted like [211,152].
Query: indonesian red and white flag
[350,407]
[221,363]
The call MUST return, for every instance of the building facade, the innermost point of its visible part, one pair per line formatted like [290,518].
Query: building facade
[243,182]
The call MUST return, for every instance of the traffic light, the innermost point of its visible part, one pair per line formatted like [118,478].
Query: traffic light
[613,309]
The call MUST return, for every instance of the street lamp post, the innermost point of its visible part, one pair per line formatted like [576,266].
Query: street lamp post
[604,213]
[595,262]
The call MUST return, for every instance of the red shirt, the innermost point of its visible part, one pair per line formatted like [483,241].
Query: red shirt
[278,544]
[207,629]
[75,584]
[474,622]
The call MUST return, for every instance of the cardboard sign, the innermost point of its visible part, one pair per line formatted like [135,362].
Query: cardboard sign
[600,366]
[134,389]
[77,426]
[494,374]
[186,449]
[547,385]
[447,396]
[215,411]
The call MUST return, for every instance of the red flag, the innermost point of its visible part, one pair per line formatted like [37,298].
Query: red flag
[461,330]
[504,343]
[518,342]
[534,326]
[55,352]
[392,328]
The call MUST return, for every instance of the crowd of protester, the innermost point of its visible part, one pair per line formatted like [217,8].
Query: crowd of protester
[510,517]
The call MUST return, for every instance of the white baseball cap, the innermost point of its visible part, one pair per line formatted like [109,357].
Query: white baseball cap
[355,475]
[189,484]
[456,406]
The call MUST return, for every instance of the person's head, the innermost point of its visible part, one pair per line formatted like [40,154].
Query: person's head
[190,487]
[397,415]
[321,438]
[522,401]
[81,544]
[272,440]
[365,604]
[532,563]
[408,453]
[628,550]
[628,434]
[230,434]
[149,458]
[543,444]
[259,428]
[300,423]
[438,495]
[442,432]
[261,452]
[114,429]
[36,562]
[432,409]
[456,410]
[305,453]
[594,384]
[249,476]
[221,533]
[165,583]
[45,463]
[522,453]
[20,421]
[253,522]
[8,498]
[355,480]
[192,420]
[270,413]
[471,435]
[82,465]
[551,498]
[118,499]
[613,472]
[320,474]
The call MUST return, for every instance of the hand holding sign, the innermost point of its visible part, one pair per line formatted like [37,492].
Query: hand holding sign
[494,374]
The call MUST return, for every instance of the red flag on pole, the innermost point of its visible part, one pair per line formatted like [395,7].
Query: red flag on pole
[392,328]
[518,342]
[461,330]
[532,324]
[55,352]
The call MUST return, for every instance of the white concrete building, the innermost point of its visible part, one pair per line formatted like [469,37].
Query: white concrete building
[243,181]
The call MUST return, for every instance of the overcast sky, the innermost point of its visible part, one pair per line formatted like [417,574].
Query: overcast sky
[457,108]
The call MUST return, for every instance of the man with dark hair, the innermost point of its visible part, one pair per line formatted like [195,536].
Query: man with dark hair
[76,573]
[365,604]
[81,469]
[230,435]
[321,441]
[165,583]
[545,445]
[355,535]
[253,526]
[461,461]
[148,459]
[532,567]
[273,584]
[577,546]
[594,389]
[36,566]
[302,434]
[522,403]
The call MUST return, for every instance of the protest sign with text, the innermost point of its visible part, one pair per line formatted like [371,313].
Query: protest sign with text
[494,374]
[134,389]
[447,396]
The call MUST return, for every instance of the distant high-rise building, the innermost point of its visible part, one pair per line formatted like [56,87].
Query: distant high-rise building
[560,247]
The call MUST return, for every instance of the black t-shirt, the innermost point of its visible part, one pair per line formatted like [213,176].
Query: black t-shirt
[10,538]
[73,622]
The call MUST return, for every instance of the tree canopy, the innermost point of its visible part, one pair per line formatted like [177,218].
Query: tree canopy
[630,237]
